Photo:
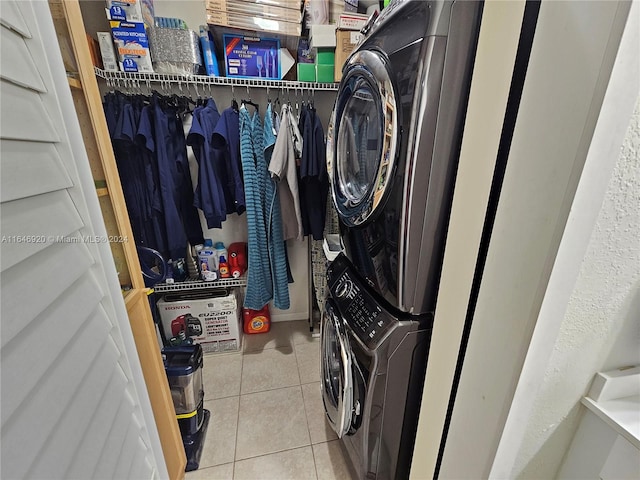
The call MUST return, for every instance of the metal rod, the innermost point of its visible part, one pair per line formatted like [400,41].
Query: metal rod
[205,80]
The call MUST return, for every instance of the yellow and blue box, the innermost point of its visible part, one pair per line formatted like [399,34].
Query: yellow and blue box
[132,46]
[137,11]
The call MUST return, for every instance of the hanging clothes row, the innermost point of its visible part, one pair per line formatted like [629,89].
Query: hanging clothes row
[313,173]
[299,166]
[150,151]
[215,140]
[272,168]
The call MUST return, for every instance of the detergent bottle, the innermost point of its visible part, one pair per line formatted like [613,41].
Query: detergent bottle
[223,267]
[256,321]
[221,251]
[207,261]
[237,259]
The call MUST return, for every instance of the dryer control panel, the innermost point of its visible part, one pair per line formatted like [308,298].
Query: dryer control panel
[360,310]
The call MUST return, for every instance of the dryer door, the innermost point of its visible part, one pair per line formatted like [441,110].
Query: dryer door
[335,363]
[362,138]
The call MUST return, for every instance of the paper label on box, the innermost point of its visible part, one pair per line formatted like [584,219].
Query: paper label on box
[351,21]
[355,37]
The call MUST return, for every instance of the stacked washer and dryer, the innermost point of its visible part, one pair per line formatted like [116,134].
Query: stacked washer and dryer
[392,150]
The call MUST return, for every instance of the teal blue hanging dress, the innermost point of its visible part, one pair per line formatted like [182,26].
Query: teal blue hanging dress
[267,273]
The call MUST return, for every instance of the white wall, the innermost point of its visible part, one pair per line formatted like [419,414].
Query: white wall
[601,328]
[191,11]
[573,52]
[599,310]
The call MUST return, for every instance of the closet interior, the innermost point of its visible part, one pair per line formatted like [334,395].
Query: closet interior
[151,139]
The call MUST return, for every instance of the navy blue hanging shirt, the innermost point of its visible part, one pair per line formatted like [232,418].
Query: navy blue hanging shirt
[226,139]
[209,195]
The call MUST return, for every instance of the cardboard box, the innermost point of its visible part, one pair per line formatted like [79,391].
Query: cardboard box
[216,316]
[325,56]
[346,42]
[132,46]
[306,72]
[325,73]
[336,7]
[254,10]
[317,12]
[226,4]
[252,57]
[254,23]
[322,36]
[108,53]
[305,53]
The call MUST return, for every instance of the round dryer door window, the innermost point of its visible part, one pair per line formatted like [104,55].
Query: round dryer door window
[362,138]
[335,367]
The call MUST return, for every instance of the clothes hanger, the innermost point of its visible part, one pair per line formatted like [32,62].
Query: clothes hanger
[234,103]
[250,102]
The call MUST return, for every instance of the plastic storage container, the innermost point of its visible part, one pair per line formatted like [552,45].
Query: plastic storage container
[183,366]
[332,246]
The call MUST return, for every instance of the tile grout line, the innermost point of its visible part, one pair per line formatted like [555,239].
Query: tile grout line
[235,451]
[235,448]
[310,445]
[306,416]
[299,385]
[292,345]
[313,451]
[295,353]
[275,453]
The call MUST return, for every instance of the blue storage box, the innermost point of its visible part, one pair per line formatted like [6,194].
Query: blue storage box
[252,57]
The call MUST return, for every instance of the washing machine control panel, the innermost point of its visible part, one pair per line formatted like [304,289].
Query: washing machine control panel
[362,313]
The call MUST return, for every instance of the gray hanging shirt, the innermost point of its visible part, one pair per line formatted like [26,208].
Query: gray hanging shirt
[283,169]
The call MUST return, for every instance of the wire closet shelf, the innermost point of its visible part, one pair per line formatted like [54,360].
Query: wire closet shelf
[137,80]
[196,284]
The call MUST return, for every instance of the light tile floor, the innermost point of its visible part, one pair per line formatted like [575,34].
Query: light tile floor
[267,418]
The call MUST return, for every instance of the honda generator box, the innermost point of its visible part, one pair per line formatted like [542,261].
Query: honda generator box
[210,318]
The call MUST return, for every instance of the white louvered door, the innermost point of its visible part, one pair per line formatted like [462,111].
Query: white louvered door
[73,399]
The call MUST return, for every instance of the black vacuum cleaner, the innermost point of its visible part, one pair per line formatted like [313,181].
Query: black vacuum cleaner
[183,365]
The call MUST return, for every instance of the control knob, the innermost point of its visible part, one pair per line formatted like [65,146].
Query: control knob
[345,289]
